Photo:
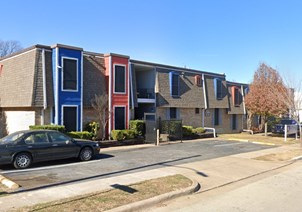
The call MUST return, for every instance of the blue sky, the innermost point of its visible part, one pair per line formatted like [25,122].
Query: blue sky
[222,36]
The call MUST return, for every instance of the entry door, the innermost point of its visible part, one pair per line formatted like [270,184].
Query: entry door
[70,118]
[150,123]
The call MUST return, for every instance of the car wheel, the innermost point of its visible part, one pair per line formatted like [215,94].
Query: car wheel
[22,161]
[86,154]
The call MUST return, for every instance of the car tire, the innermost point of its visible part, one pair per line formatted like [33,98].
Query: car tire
[86,154]
[22,161]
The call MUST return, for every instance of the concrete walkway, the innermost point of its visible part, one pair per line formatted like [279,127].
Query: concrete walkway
[210,174]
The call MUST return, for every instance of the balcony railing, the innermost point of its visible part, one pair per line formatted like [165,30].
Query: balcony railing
[145,93]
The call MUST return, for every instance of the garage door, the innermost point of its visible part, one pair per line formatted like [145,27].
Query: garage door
[19,120]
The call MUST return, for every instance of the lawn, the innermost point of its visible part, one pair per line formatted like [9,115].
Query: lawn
[260,138]
[120,195]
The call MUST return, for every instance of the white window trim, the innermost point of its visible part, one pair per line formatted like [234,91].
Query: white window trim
[62,74]
[62,114]
[114,79]
[125,119]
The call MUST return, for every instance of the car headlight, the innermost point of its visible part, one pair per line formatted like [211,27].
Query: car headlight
[97,145]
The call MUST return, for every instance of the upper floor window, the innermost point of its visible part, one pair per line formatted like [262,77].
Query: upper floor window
[198,80]
[119,79]
[246,90]
[70,68]
[218,88]
[174,84]
[236,96]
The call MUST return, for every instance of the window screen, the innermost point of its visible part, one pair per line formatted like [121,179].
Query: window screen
[119,77]
[69,74]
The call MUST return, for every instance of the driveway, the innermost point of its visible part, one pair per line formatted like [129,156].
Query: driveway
[119,162]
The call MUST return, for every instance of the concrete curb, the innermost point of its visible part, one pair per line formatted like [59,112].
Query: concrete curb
[254,142]
[140,205]
[8,183]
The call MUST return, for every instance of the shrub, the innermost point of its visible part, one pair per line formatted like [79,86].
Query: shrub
[129,134]
[81,135]
[117,135]
[187,130]
[199,130]
[138,126]
[60,128]
[92,127]
[120,135]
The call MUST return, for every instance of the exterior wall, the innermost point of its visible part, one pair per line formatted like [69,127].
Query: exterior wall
[190,118]
[117,99]
[210,93]
[89,115]
[190,95]
[17,79]
[63,97]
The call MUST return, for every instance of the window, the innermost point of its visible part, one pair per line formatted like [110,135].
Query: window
[236,96]
[216,117]
[234,122]
[36,138]
[119,79]
[246,90]
[69,74]
[58,138]
[174,84]
[119,118]
[218,88]
[196,110]
[198,80]
[173,113]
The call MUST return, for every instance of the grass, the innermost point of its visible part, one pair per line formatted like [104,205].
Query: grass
[283,156]
[119,196]
[260,138]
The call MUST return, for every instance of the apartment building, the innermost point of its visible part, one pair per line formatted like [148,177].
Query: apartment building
[55,85]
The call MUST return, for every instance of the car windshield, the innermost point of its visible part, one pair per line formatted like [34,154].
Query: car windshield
[11,138]
[287,122]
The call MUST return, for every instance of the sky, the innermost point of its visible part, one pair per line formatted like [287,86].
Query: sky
[221,36]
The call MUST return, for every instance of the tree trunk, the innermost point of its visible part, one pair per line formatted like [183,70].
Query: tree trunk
[250,117]
[265,128]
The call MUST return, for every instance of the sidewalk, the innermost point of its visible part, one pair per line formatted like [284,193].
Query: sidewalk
[210,174]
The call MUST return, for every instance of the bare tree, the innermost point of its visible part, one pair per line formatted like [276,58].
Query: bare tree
[9,47]
[264,95]
[100,105]
[291,96]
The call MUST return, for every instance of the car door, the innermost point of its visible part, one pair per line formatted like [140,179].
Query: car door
[62,146]
[39,145]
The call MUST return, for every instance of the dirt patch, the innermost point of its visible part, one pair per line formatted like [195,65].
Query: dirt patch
[120,195]
[283,156]
[260,138]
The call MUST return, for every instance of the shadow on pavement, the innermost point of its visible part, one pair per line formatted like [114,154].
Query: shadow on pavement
[165,163]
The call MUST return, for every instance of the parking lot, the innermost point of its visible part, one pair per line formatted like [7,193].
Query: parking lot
[118,162]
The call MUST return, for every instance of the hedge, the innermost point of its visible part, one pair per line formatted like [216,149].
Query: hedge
[81,135]
[187,130]
[120,135]
[138,126]
[199,130]
[60,128]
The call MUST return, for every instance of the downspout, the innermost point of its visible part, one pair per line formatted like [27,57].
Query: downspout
[110,96]
[44,87]
[205,99]
[243,103]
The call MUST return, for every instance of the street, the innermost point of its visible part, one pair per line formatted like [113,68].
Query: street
[120,162]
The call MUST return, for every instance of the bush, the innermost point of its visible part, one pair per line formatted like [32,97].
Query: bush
[93,128]
[199,130]
[59,128]
[117,135]
[138,126]
[120,135]
[187,130]
[81,135]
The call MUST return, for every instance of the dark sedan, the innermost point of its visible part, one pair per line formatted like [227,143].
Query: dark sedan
[25,147]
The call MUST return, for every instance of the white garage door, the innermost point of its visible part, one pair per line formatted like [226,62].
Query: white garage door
[19,120]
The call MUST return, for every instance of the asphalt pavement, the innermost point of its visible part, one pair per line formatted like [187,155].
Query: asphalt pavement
[120,161]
